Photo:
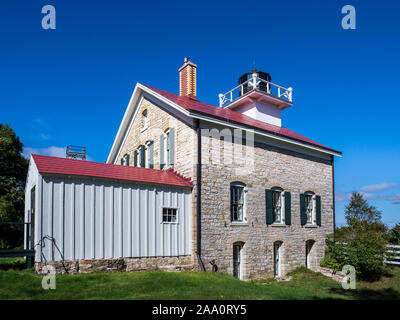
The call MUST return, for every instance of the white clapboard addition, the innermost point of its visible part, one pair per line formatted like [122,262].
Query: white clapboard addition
[98,218]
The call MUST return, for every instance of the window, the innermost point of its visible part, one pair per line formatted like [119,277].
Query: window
[125,160]
[170,215]
[310,207]
[141,152]
[237,202]
[148,154]
[145,119]
[277,205]
[167,152]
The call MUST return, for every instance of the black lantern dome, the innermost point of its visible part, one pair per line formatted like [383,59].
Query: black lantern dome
[261,86]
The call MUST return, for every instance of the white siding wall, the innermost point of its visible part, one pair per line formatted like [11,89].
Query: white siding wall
[95,219]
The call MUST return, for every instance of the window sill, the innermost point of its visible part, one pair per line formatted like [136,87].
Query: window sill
[239,223]
[278,225]
[310,226]
[143,129]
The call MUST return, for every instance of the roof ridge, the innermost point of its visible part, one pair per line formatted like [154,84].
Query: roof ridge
[236,117]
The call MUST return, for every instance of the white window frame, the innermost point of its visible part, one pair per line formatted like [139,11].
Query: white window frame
[166,148]
[282,199]
[314,209]
[244,209]
[125,159]
[146,155]
[169,222]
[138,155]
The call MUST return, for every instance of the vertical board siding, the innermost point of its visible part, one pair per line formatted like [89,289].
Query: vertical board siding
[93,219]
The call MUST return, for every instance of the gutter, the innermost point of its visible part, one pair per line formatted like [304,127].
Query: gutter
[198,191]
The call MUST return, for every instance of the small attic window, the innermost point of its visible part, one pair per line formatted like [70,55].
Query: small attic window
[145,120]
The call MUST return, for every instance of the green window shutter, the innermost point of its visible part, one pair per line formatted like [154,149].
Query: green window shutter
[151,154]
[127,159]
[268,206]
[162,164]
[318,208]
[122,161]
[135,154]
[141,150]
[171,155]
[288,201]
[303,214]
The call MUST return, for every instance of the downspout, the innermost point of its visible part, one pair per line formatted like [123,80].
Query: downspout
[333,197]
[198,204]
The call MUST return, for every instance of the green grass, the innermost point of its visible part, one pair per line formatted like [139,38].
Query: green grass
[305,284]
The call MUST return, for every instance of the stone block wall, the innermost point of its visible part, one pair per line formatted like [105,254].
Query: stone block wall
[273,167]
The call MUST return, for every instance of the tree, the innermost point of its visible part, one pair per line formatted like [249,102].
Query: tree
[394,234]
[362,243]
[13,171]
[361,216]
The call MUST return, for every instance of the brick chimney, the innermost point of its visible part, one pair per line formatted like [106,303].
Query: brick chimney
[187,79]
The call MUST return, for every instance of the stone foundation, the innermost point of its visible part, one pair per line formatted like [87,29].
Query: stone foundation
[121,264]
[337,276]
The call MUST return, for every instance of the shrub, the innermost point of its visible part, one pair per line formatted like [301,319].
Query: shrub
[362,243]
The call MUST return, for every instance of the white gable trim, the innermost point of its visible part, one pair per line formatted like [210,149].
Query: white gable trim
[130,115]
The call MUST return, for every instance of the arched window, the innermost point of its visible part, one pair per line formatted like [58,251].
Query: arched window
[238,202]
[237,260]
[141,153]
[167,148]
[309,246]
[125,160]
[145,120]
[277,258]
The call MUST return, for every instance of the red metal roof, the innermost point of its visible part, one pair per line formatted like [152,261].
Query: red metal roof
[233,116]
[55,165]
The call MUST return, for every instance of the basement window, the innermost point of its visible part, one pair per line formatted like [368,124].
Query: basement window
[170,215]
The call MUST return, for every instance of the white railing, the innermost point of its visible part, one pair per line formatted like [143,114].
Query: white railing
[395,259]
[254,82]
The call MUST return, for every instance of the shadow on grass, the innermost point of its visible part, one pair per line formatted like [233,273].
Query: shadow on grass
[16,265]
[368,294]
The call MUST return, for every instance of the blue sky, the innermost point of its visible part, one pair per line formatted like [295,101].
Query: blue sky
[72,85]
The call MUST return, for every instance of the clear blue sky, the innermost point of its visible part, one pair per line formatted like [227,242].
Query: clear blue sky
[72,85]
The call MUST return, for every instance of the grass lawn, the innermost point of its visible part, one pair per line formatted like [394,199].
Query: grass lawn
[305,284]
